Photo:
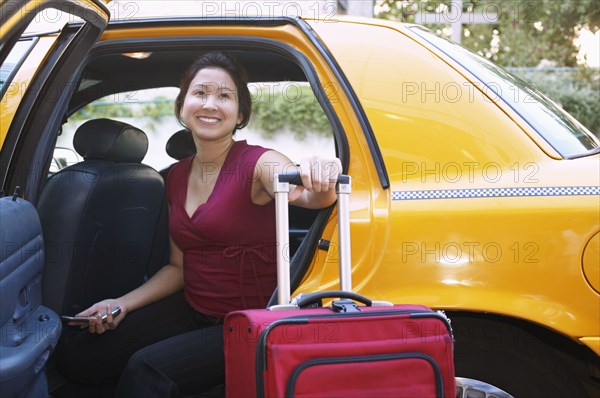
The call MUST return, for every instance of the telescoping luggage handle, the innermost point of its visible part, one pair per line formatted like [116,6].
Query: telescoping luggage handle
[281,189]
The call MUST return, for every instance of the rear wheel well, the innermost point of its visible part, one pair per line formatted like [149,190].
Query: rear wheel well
[582,362]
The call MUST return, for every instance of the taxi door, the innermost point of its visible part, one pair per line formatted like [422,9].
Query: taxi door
[42,44]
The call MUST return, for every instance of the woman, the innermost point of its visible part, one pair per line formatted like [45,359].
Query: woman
[223,251]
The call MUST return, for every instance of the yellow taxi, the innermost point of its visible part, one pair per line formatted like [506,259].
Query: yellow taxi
[472,192]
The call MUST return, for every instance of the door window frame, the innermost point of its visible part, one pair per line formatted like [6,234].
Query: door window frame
[34,125]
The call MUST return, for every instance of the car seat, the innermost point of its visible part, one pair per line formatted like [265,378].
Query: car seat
[99,217]
[179,146]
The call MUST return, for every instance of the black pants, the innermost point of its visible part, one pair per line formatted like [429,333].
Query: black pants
[165,349]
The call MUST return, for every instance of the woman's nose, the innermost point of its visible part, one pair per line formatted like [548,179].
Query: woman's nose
[210,102]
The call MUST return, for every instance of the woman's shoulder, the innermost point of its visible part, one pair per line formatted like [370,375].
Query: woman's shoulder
[178,170]
[244,146]
[180,166]
[250,151]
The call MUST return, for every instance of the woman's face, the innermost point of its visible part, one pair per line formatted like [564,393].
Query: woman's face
[210,107]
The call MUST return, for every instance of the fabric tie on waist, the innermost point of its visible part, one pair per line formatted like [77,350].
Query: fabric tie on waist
[248,254]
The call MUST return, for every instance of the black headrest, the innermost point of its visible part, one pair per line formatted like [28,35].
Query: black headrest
[181,145]
[110,140]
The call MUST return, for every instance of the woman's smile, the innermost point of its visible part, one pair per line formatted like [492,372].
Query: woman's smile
[209,120]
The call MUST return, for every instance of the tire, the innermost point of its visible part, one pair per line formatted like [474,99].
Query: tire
[511,359]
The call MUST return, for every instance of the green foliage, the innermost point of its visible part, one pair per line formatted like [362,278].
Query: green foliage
[527,31]
[295,109]
[577,91]
[155,109]
[102,110]
[159,107]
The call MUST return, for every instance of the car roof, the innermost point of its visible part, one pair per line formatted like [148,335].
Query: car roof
[117,68]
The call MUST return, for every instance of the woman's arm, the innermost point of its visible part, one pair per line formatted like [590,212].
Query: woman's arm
[319,176]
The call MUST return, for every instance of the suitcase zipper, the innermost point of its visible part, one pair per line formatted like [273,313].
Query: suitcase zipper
[441,315]
[261,350]
[291,385]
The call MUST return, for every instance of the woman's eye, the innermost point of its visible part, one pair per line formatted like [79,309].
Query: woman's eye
[200,93]
[224,97]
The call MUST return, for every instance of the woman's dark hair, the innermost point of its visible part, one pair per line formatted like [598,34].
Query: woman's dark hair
[217,59]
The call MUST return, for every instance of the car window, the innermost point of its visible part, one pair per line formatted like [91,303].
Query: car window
[13,61]
[286,116]
[62,158]
[563,132]
[149,110]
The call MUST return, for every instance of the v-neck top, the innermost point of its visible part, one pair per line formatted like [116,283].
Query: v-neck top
[228,243]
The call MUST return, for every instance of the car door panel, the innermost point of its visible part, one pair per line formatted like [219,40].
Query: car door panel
[29,331]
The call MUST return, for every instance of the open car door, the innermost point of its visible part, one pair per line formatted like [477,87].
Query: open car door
[42,46]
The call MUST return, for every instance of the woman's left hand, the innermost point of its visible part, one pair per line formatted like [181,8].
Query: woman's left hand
[319,175]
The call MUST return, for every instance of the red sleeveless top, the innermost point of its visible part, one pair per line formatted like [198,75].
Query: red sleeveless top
[229,256]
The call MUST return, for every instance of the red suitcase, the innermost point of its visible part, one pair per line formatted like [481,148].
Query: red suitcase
[376,349]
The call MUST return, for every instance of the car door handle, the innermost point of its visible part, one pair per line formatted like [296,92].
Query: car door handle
[22,307]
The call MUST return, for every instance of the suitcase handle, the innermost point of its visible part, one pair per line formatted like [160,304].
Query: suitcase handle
[293,177]
[281,185]
[308,299]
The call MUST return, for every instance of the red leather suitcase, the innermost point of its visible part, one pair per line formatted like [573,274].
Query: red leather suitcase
[346,350]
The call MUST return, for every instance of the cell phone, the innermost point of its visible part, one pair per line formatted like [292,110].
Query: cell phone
[85,319]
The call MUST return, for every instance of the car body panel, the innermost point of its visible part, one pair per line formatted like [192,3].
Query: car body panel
[438,135]
[593,343]
[446,91]
[591,258]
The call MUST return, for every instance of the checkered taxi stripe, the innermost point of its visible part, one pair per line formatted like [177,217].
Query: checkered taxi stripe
[494,192]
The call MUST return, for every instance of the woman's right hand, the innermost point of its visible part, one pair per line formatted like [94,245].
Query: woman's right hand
[105,306]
